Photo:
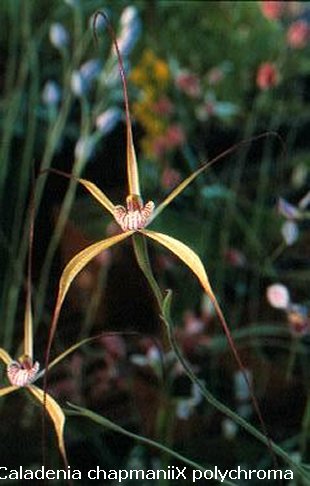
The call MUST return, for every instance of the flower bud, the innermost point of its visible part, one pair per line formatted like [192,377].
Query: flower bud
[59,36]
[107,120]
[51,93]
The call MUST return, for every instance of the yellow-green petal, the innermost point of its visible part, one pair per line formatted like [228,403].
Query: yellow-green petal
[76,265]
[8,389]
[98,194]
[180,188]
[192,260]
[5,357]
[132,166]
[186,254]
[28,329]
[56,414]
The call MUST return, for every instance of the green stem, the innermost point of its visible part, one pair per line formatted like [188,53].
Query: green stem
[62,218]
[79,411]
[165,309]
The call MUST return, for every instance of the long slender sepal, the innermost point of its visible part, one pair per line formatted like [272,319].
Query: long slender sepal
[8,389]
[75,266]
[183,185]
[92,188]
[5,357]
[56,414]
[28,321]
[132,166]
[98,195]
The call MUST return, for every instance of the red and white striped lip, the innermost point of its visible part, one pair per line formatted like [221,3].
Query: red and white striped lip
[136,216]
[22,373]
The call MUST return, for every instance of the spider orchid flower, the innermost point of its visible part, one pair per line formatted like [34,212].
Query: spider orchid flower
[134,219]
[22,373]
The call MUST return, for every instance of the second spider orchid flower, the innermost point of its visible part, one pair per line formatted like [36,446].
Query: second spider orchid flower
[22,373]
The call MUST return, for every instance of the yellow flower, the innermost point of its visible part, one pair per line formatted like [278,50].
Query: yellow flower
[161,71]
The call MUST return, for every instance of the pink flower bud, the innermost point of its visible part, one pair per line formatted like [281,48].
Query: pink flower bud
[298,34]
[267,76]
[272,10]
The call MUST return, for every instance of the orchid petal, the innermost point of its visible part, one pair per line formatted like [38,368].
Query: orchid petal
[28,329]
[187,255]
[8,389]
[180,188]
[193,262]
[56,414]
[132,166]
[75,266]
[5,357]
[98,194]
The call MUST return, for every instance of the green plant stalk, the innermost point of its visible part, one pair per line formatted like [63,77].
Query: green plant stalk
[62,218]
[165,309]
[27,159]
[223,408]
[94,303]
[230,208]
[107,424]
[14,21]
[14,289]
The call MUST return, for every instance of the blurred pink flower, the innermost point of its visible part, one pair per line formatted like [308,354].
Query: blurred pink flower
[189,83]
[160,146]
[272,10]
[278,296]
[267,76]
[170,178]
[163,106]
[298,34]
[175,136]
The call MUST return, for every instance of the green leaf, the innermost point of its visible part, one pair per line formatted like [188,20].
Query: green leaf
[166,307]
[104,422]
[98,194]
[56,414]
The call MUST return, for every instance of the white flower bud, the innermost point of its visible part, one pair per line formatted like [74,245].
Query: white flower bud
[84,148]
[107,120]
[59,36]
[90,70]
[51,93]
[290,232]
[79,85]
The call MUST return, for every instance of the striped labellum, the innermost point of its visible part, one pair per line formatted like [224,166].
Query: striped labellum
[22,373]
[136,216]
